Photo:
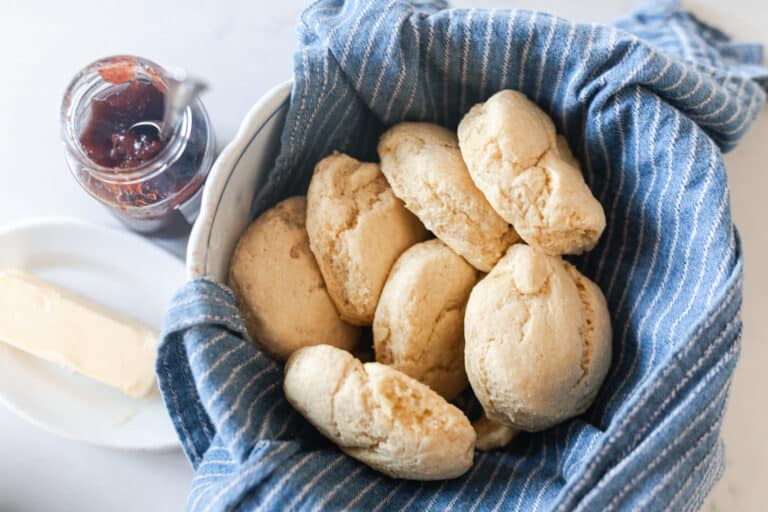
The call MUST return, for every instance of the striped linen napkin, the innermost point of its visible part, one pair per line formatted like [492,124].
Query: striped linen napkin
[649,105]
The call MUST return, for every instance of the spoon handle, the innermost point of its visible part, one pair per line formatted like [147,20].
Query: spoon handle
[179,95]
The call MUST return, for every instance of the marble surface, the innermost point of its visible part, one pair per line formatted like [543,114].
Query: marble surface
[243,48]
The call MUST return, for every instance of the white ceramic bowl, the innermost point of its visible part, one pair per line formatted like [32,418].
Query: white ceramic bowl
[236,175]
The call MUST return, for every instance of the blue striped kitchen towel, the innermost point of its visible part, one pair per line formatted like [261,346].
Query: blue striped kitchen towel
[649,105]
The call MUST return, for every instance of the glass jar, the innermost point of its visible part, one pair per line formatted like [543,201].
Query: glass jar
[151,192]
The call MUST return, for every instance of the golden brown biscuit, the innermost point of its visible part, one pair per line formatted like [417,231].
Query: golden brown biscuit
[492,435]
[357,229]
[528,176]
[538,340]
[419,323]
[380,416]
[278,285]
[423,164]
[564,151]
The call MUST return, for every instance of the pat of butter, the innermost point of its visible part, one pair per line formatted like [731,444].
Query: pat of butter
[61,327]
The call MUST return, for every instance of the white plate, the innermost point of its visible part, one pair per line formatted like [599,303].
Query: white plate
[119,270]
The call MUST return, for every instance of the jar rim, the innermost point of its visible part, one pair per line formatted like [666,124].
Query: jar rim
[81,88]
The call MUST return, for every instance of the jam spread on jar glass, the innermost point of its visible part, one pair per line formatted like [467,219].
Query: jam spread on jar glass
[148,182]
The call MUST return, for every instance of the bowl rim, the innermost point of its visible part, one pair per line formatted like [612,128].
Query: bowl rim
[256,118]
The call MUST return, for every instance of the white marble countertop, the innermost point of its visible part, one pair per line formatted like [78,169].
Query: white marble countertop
[243,48]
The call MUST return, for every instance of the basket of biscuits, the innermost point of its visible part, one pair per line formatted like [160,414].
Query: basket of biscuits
[436,272]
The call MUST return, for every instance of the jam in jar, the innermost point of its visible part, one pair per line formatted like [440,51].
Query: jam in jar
[148,182]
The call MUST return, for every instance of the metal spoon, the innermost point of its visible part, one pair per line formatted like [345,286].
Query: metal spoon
[180,93]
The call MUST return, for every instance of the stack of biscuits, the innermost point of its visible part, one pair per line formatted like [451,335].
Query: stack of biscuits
[449,250]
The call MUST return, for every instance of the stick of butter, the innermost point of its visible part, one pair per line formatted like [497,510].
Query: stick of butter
[61,327]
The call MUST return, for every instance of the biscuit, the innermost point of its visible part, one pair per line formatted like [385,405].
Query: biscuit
[357,229]
[492,435]
[381,417]
[423,164]
[513,155]
[537,340]
[564,151]
[278,285]
[419,323]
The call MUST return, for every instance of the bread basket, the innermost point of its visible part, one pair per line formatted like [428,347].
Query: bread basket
[648,118]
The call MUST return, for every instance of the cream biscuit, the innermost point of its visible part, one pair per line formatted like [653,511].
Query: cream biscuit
[278,285]
[538,340]
[379,416]
[419,323]
[492,435]
[527,174]
[357,229]
[423,164]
